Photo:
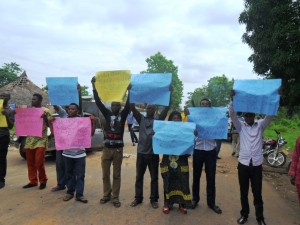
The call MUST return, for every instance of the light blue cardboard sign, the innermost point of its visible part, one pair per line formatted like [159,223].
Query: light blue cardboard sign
[256,96]
[151,88]
[212,122]
[12,106]
[62,90]
[173,138]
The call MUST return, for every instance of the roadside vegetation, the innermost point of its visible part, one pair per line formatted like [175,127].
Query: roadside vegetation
[289,127]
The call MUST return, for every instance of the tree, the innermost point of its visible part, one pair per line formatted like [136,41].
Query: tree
[84,91]
[217,90]
[9,73]
[160,64]
[273,33]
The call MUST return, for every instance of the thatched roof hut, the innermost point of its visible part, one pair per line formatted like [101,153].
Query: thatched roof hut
[21,91]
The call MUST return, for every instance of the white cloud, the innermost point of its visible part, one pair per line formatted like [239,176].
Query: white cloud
[78,38]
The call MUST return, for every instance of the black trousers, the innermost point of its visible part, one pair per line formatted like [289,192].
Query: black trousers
[132,134]
[207,158]
[254,175]
[4,142]
[152,162]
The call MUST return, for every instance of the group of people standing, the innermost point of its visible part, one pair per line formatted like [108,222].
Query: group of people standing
[174,169]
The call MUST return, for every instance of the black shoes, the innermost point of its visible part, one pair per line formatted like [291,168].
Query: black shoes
[194,204]
[261,222]
[42,186]
[135,203]
[154,204]
[242,220]
[29,185]
[216,209]
[2,184]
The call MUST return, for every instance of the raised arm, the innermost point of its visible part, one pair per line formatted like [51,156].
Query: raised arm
[126,109]
[165,111]
[136,114]
[100,105]
[79,99]
[93,121]
[236,122]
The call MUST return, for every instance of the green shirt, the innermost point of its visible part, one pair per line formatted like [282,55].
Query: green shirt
[37,142]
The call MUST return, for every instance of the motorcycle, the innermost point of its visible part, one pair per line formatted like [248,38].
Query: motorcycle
[274,151]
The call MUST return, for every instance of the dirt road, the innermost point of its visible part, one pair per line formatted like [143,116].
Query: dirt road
[34,207]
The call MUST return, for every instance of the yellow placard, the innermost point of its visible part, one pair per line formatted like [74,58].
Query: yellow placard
[112,85]
[3,122]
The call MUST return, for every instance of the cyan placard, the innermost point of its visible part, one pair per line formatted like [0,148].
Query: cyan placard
[62,90]
[151,88]
[212,122]
[173,138]
[256,96]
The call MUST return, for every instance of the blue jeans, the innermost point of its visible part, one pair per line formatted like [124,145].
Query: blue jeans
[75,171]
[207,158]
[60,170]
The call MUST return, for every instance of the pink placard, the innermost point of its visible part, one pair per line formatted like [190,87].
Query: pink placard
[29,122]
[72,133]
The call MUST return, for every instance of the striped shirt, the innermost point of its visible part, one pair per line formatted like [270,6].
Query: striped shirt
[74,153]
[204,144]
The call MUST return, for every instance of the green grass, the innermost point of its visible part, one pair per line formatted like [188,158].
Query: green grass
[289,128]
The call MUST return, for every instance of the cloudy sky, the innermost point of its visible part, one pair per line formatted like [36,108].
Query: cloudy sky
[77,38]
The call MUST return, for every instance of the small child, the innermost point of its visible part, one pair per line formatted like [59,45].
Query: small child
[295,168]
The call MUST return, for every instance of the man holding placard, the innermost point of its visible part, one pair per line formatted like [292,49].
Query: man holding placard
[250,158]
[35,148]
[145,156]
[113,147]
[205,154]
[6,123]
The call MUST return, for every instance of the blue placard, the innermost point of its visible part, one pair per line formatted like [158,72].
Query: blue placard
[212,122]
[12,106]
[152,88]
[173,138]
[256,96]
[62,90]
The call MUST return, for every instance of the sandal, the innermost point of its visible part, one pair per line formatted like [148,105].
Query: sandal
[166,210]
[116,203]
[68,197]
[57,188]
[182,209]
[82,199]
[104,200]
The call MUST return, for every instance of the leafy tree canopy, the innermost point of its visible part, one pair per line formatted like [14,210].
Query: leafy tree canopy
[217,90]
[160,64]
[9,72]
[84,91]
[273,33]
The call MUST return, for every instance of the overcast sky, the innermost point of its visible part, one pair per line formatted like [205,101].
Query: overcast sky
[77,38]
